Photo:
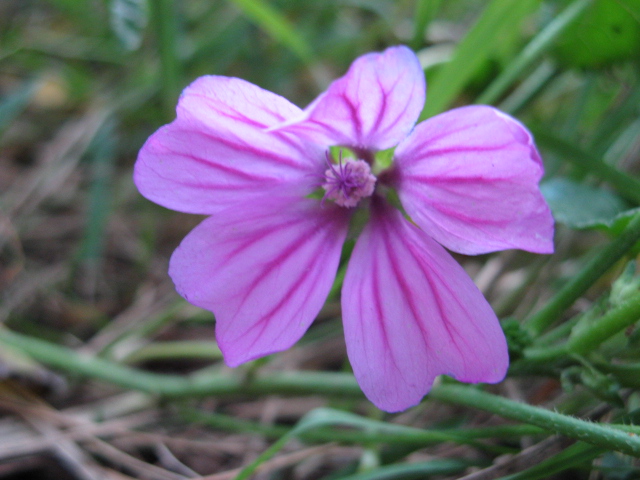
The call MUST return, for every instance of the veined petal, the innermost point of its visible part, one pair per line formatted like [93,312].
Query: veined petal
[263,269]
[217,152]
[374,106]
[410,313]
[469,178]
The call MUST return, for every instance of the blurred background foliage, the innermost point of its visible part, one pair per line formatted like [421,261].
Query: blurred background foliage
[83,257]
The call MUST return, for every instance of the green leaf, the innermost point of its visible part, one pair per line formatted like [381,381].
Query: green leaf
[128,20]
[608,32]
[581,206]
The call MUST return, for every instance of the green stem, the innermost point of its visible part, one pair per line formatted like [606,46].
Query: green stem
[589,337]
[594,269]
[200,384]
[594,433]
[306,383]
[532,51]
[612,322]
[175,350]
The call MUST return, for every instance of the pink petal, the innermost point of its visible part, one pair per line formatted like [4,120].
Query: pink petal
[264,269]
[469,178]
[410,313]
[218,152]
[373,106]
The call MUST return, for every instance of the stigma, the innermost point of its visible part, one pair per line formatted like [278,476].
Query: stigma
[348,182]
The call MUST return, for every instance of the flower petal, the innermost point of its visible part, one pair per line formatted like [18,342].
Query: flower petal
[264,270]
[374,106]
[410,313]
[469,178]
[218,152]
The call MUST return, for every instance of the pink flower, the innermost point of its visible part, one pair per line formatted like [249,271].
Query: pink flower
[265,260]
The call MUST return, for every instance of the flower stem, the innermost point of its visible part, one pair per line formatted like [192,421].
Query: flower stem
[306,383]
[591,336]
[613,322]
[594,433]
[175,350]
[203,383]
[594,269]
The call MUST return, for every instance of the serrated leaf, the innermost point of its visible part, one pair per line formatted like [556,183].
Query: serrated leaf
[581,206]
[129,18]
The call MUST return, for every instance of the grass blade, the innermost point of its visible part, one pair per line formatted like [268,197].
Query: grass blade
[276,25]
[499,17]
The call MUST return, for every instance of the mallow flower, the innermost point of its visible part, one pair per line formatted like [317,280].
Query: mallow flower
[266,257]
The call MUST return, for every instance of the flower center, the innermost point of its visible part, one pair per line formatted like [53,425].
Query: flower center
[348,182]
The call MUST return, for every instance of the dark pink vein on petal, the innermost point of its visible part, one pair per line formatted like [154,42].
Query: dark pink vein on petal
[402,282]
[287,252]
[226,168]
[293,288]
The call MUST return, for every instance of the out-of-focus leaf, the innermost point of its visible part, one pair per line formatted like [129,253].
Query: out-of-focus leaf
[324,417]
[128,19]
[609,31]
[275,24]
[416,471]
[620,221]
[615,466]
[101,157]
[631,6]
[320,417]
[15,102]
[424,13]
[627,186]
[581,206]
[496,22]
[533,51]
[84,14]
